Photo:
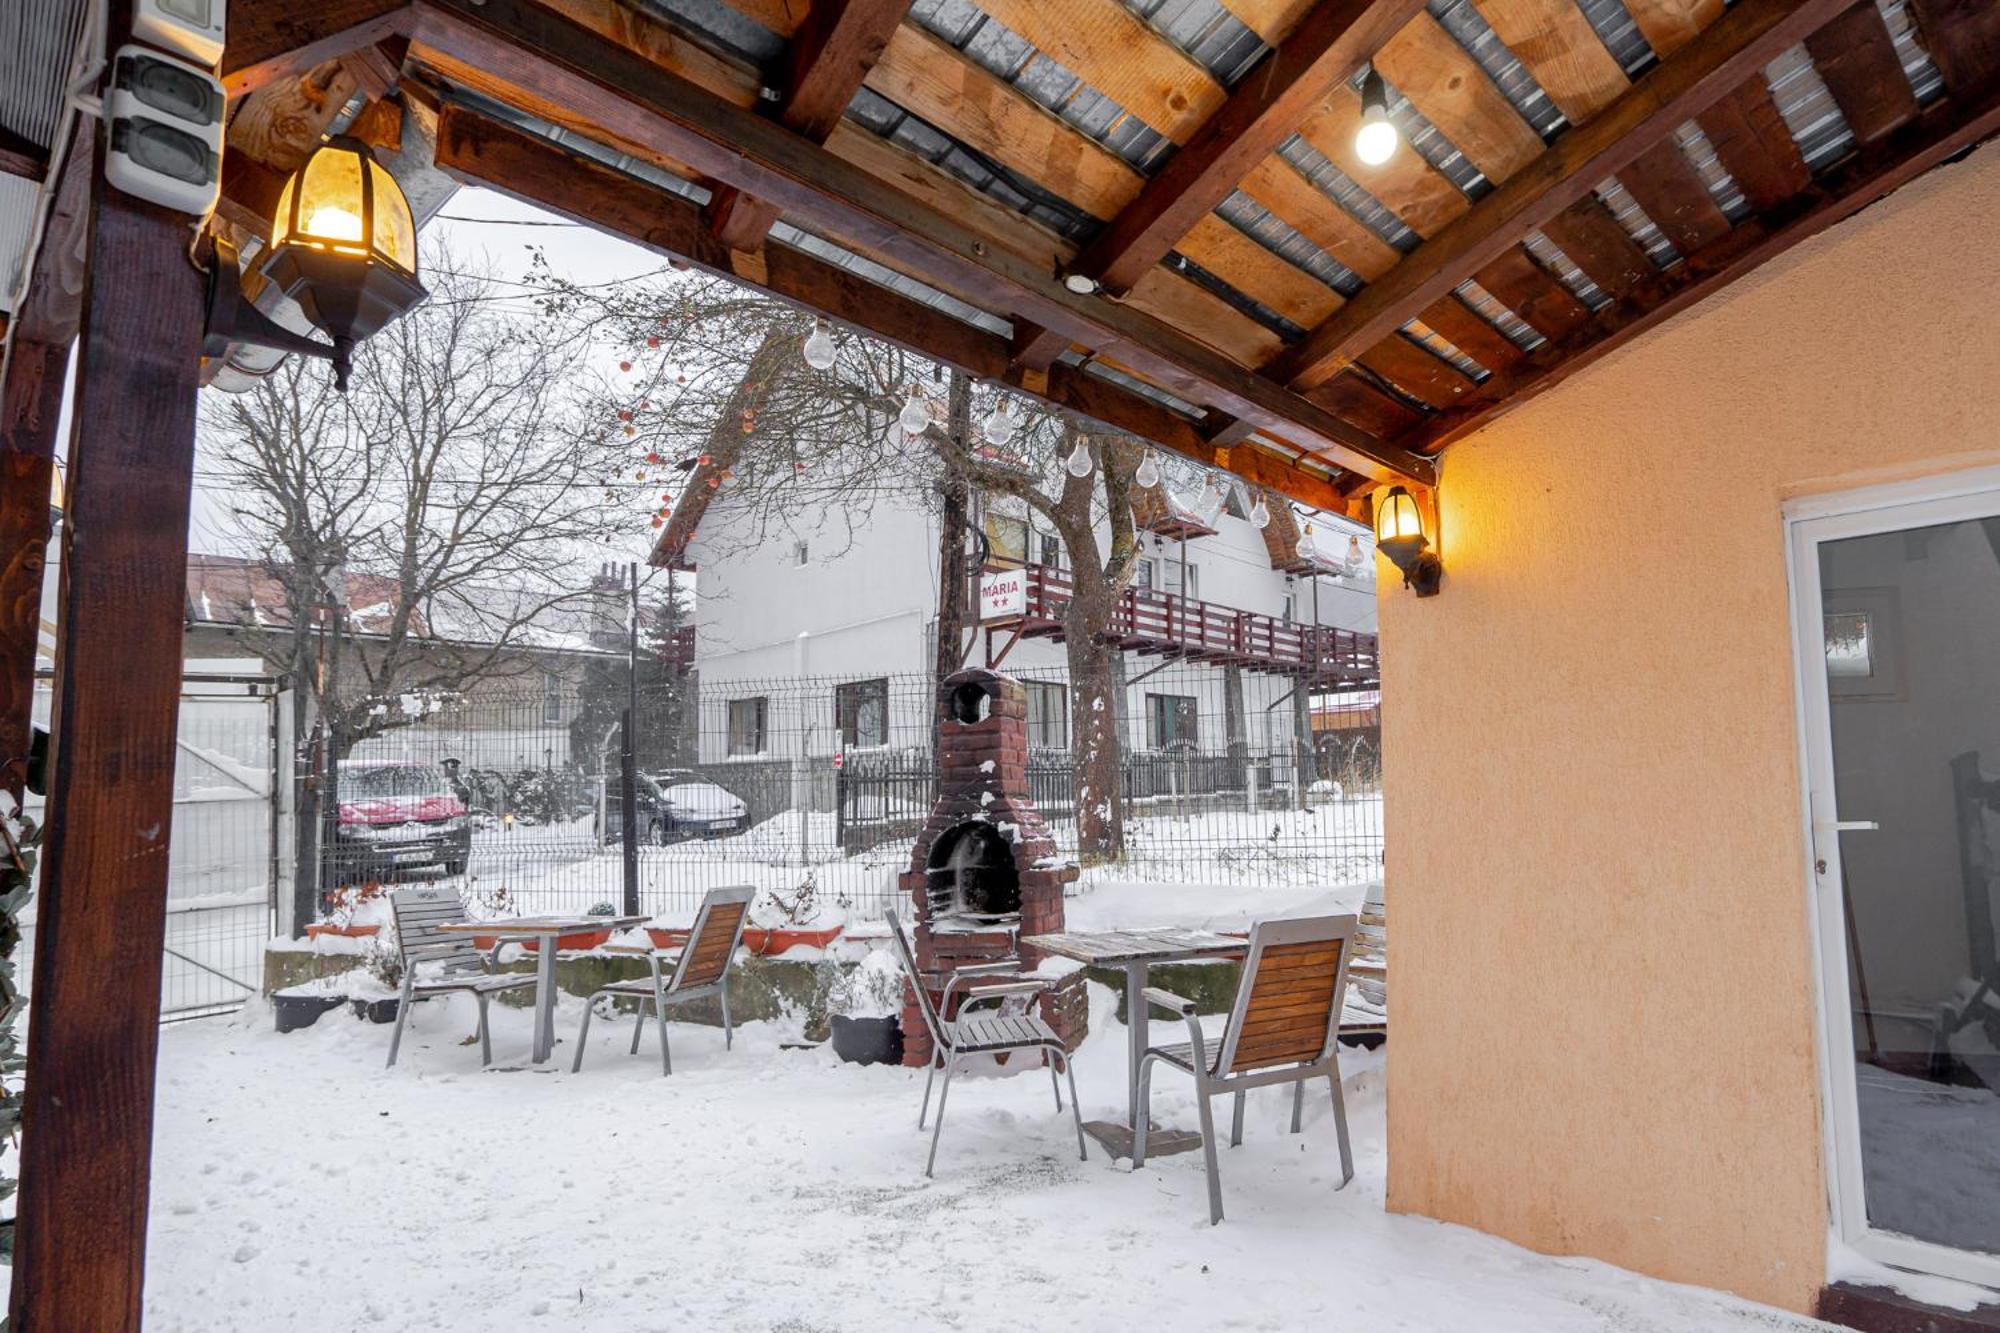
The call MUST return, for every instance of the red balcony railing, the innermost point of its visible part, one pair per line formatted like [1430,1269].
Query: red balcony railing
[1148,621]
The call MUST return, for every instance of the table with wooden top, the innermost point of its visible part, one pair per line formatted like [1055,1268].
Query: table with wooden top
[1136,951]
[545,930]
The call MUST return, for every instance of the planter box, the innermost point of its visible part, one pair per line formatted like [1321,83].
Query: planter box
[583,941]
[868,1041]
[302,1011]
[759,940]
[352,932]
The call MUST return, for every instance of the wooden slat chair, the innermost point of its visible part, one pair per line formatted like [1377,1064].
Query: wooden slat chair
[698,970]
[953,1040]
[1283,1028]
[437,963]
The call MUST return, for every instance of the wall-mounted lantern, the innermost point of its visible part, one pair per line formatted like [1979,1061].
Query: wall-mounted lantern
[343,246]
[1399,534]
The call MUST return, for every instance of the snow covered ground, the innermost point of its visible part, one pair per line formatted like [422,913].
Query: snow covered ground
[300,1186]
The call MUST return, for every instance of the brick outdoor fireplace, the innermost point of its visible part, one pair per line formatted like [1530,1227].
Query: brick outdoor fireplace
[985,871]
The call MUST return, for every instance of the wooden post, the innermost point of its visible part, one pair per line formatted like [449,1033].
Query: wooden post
[93,1031]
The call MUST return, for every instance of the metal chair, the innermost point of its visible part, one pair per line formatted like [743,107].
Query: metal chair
[699,970]
[453,961]
[1283,1028]
[952,1040]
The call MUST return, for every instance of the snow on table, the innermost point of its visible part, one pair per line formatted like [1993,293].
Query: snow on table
[299,1185]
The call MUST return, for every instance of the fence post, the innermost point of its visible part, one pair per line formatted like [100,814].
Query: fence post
[840,808]
[628,775]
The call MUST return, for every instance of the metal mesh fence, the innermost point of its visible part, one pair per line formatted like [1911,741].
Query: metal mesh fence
[820,784]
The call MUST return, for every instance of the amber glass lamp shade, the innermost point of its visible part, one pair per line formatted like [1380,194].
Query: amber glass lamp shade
[344,245]
[1399,535]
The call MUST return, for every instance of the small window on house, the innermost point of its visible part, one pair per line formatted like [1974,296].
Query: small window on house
[1291,608]
[1170,721]
[746,725]
[552,698]
[1176,573]
[861,712]
[800,552]
[1051,550]
[1048,715]
[1143,575]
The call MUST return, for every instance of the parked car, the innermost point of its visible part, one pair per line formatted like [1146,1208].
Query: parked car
[675,805]
[399,815]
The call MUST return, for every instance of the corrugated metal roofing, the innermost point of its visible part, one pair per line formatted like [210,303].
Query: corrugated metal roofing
[1463,22]
[1316,167]
[20,204]
[1207,33]
[1722,187]
[1923,75]
[38,42]
[1808,108]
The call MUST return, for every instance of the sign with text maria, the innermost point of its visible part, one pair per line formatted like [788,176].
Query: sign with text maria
[1003,594]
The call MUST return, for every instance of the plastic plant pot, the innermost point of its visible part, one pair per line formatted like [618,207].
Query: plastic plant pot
[302,1011]
[868,1041]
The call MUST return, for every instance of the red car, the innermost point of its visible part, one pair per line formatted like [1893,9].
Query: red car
[399,815]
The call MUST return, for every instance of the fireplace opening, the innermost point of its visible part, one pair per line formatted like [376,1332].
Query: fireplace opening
[972,879]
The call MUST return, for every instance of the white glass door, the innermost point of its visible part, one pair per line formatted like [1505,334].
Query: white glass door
[1897,599]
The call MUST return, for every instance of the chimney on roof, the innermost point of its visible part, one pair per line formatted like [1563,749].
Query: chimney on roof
[609,602]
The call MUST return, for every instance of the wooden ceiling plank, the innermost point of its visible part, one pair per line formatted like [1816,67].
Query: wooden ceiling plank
[1406,185]
[1722,56]
[1335,40]
[1418,372]
[22,157]
[1467,330]
[1114,51]
[1560,48]
[1674,196]
[1857,59]
[1446,85]
[1272,20]
[1754,144]
[1276,185]
[1355,398]
[783,17]
[825,63]
[516,42]
[1591,237]
[267,43]
[1548,307]
[1938,133]
[1668,25]
[479,150]
[280,124]
[1963,37]
[1259,273]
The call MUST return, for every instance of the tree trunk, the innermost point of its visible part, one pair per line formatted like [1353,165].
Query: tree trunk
[1094,739]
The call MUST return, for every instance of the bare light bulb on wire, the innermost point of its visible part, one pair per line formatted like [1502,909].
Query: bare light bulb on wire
[1260,513]
[1148,473]
[1307,547]
[998,428]
[1079,463]
[914,416]
[819,348]
[1375,142]
[1353,566]
[1211,501]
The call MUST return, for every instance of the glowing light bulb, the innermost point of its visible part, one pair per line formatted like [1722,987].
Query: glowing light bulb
[1148,474]
[914,416]
[1079,463]
[1260,513]
[332,223]
[1307,547]
[819,347]
[1375,142]
[998,428]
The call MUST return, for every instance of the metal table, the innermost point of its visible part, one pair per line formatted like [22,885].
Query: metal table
[545,930]
[1135,951]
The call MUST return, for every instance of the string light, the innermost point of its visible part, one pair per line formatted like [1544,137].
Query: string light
[915,414]
[819,348]
[1307,547]
[1260,513]
[1148,475]
[998,428]
[1079,463]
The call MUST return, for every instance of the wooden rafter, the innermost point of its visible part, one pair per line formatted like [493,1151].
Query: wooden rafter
[1644,117]
[20,157]
[479,150]
[827,60]
[1889,163]
[520,44]
[285,39]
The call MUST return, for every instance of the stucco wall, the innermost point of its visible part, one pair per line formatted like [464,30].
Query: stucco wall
[1603,976]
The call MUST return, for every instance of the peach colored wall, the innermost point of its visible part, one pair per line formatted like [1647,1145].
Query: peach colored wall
[1604,1029]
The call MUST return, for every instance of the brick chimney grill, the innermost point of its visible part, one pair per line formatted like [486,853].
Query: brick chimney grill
[985,871]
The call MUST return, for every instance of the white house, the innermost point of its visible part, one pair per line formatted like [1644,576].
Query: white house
[823,642]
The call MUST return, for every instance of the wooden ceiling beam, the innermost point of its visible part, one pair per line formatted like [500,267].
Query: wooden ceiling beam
[1876,169]
[1715,61]
[269,42]
[520,44]
[825,63]
[22,157]
[1266,107]
[482,151]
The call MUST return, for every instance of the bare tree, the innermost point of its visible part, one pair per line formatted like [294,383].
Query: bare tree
[454,485]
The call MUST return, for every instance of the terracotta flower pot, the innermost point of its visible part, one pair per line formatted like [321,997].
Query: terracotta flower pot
[580,941]
[667,937]
[349,931]
[776,940]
